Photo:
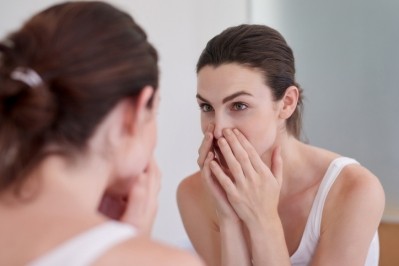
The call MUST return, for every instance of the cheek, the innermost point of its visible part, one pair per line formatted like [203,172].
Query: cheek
[204,123]
[262,136]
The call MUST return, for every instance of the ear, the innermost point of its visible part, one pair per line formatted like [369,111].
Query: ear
[289,102]
[137,114]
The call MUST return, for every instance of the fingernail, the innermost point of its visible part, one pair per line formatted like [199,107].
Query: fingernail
[222,141]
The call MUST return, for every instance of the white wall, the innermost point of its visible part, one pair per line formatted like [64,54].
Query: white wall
[179,29]
[347,55]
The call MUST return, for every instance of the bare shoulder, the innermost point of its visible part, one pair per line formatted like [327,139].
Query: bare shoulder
[357,191]
[199,216]
[357,181]
[192,198]
[190,187]
[350,219]
[144,251]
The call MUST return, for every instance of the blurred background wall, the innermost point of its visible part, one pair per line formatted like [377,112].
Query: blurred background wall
[347,59]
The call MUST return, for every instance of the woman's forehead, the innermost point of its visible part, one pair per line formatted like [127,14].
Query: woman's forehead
[228,79]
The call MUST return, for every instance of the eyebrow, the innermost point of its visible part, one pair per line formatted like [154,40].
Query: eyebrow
[226,99]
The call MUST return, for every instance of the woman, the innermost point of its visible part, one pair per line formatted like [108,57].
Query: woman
[78,103]
[263,197]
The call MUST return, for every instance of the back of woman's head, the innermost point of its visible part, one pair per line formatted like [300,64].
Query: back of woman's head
[60,74]
[262,48]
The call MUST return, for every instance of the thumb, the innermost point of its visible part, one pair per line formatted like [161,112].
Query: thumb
[135,202]
[277,165]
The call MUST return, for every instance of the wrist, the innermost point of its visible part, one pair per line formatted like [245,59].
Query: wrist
[268,243]
[268,225]
[229,222]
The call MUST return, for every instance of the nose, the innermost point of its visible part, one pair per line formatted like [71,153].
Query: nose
[220,123]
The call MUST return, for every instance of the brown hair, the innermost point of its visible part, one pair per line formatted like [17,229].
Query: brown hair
[262,48]
[90,56]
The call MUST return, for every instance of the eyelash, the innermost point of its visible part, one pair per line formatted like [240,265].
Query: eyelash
[234,106]
[202,107]
[243,106]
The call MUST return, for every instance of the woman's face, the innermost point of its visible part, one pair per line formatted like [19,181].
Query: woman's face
[235,96]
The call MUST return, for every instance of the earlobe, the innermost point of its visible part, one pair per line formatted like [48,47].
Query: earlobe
[289,102]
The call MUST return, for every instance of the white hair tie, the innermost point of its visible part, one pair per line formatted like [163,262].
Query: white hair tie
[27,76]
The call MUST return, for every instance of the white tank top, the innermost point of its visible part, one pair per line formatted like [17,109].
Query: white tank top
[311,234]
[87,247]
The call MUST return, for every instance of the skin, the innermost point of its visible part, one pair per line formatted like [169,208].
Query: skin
[249,203]
[72,196]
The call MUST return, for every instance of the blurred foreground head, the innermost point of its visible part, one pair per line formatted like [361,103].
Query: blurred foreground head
[60,75]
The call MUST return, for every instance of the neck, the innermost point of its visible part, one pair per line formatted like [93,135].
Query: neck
[296,157]
[303,166]
[60,185]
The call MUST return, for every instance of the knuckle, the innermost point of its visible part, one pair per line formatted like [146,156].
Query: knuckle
[234,198]
[235,168]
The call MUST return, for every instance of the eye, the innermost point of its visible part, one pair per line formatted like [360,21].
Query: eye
[239,106]
[204,107]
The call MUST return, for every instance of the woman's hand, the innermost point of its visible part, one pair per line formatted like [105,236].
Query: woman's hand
[253,189]
[233,248]
[224,209]
[140,206]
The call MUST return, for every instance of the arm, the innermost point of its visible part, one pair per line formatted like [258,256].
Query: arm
[218,245]
[351,217]
[234,250]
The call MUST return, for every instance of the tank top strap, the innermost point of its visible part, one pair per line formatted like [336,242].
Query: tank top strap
[329,178]
[87,247]
[311,234]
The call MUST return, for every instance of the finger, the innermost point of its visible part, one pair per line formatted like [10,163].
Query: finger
[277,165]
[136,204]
[156,188]
[215,190]
[206,172]
[152,182]
[151,205]
[211,183]
[225,182]
[240,154]
[206,145]
[257,163]
[140,194]
[154,176]
[232,163]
